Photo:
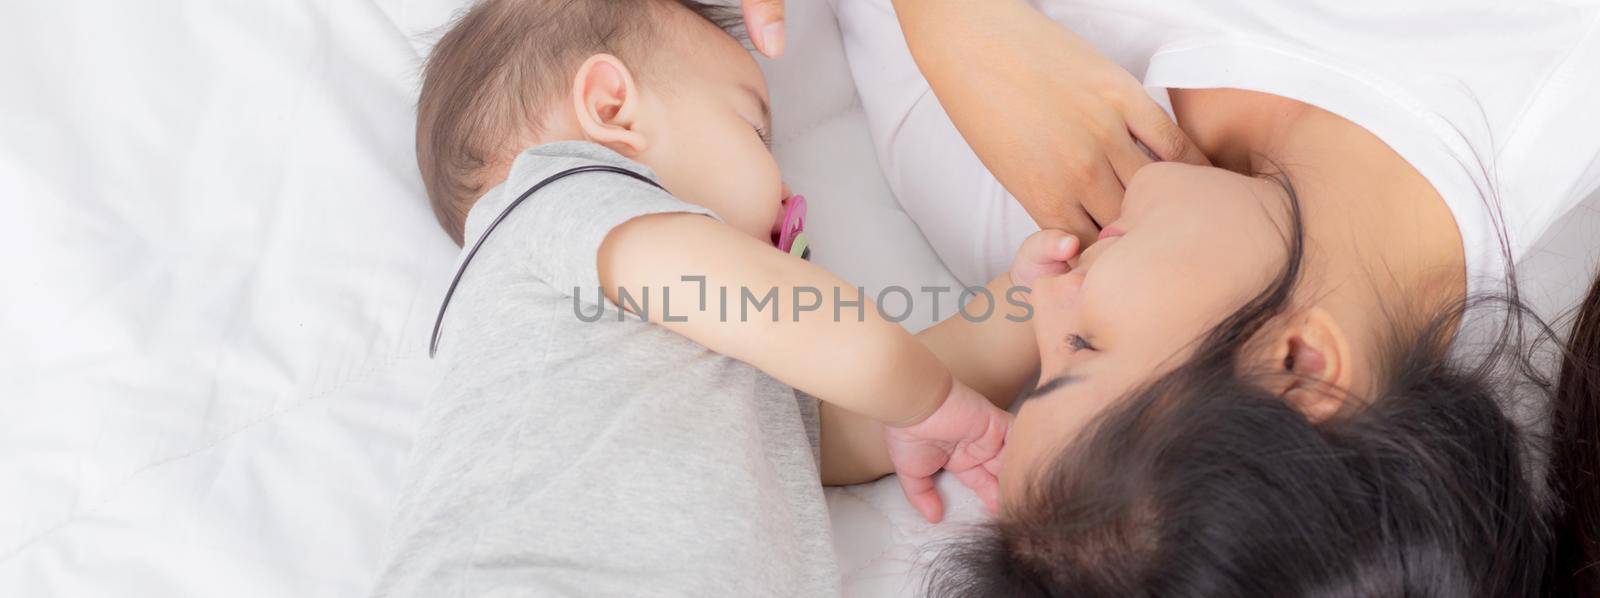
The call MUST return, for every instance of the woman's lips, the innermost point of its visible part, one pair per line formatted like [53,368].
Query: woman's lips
[1088,256]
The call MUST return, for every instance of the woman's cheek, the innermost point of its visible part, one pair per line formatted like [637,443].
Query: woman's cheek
[1117,279]
[1017,458]
[1048,304]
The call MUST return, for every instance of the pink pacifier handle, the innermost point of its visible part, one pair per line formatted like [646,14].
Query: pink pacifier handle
[793,222]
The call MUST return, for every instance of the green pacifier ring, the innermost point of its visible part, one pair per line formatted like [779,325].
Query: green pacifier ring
[801,247]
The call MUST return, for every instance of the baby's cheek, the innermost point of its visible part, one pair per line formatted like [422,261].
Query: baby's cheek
[745,214]
[763,199]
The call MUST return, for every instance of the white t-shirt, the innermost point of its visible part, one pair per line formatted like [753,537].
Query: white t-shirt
[1495,103]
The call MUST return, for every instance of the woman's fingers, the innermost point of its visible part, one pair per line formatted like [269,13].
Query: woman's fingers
[1102,200]
[763,22]
[1157,131]
[1063,210]
[1126,158]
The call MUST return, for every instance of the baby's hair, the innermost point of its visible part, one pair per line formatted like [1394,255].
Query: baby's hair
[498,68]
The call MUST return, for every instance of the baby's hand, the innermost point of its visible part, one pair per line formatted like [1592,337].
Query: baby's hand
[1044,253]
[966,436]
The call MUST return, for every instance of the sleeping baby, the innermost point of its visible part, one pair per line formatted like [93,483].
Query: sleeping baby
[617,150]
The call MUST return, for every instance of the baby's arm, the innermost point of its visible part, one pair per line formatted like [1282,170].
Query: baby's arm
[871,367]
[995,356]
[868,365]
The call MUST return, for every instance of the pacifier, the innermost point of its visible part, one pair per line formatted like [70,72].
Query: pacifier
[790,237]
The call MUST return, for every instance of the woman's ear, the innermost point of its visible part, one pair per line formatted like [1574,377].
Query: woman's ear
[607,105]
[1314,350]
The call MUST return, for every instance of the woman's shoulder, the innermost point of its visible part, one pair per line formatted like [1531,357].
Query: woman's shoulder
[1486,100]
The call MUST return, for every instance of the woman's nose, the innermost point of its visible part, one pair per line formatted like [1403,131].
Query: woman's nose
[1057,291]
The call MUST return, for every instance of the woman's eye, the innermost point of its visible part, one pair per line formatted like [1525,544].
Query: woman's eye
[1078,343]
[766,138]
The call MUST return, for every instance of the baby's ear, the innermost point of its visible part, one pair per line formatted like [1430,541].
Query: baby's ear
[607,105]
[1313,349]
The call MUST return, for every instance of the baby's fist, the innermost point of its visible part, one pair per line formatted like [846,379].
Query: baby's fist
[1044,253]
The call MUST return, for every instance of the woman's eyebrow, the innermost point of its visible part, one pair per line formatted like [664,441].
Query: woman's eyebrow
[1060,380]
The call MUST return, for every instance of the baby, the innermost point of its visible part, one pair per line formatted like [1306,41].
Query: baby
[663,449]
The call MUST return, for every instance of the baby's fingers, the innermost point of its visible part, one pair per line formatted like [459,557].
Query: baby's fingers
[993,465]
[984,484]
[1044,253]
[923,496]
[1049,246]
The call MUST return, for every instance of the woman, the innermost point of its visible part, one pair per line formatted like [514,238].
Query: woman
[1247,385]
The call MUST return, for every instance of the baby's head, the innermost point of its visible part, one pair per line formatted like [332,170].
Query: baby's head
[661,82]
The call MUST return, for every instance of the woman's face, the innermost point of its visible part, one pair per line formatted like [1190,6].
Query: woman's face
[1193,244]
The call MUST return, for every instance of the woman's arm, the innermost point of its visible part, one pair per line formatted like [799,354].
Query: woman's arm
[1054,120]
[935,176]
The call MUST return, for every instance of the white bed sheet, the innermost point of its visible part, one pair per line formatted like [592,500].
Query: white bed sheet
[220,274]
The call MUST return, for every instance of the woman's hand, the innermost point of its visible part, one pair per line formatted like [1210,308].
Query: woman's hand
[763,22]
[1057,123]
[965,436]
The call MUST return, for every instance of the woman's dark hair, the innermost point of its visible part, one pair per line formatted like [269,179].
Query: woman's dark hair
[1574,474]
[1205,483]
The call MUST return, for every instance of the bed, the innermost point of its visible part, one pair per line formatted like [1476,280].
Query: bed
[220,275]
